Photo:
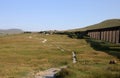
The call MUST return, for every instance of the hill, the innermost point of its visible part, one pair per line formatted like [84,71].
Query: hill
[104,24]
[10,31]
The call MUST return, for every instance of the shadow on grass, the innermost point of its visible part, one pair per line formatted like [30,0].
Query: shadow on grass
[112,49]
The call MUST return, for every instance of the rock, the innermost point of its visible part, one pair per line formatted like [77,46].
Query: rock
[74,57]
[112,62]
[44,40]
[30,37]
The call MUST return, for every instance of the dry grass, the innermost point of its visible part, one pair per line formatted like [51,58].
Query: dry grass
[20,55]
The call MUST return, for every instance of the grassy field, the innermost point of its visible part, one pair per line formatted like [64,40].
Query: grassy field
[20,55]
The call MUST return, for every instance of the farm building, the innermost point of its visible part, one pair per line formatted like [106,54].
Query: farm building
[110,34]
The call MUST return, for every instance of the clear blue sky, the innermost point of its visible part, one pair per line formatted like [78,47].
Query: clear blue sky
[37,15]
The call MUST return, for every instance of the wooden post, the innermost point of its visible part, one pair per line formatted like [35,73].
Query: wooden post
[110,37]
[107,38]
[92,34]
[98,35]
[89,34]
[105,35]
[117,36]
[95,35]
[113,36]
[102,35]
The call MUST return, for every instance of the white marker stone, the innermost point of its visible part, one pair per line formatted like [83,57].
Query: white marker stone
[30,37]
[74,57]
[44,40]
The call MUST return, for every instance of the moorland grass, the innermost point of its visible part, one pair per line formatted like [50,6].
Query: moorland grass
[21,55]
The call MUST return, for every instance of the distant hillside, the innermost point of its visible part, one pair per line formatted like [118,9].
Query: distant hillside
[104,24]
[10,31]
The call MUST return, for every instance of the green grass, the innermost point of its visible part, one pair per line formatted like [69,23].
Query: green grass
[112,49]
[20,56]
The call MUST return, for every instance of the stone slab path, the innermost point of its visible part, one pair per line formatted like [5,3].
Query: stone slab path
[50,73]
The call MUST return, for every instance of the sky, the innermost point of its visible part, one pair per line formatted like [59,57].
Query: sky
[40,15]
